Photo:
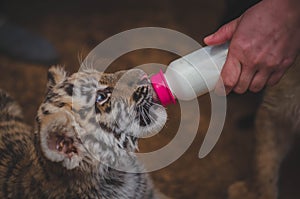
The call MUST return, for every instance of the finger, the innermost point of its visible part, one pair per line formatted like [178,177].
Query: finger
[223,34]
[220,88]
[229,75]
[245,79]
[259,81]
[275,77]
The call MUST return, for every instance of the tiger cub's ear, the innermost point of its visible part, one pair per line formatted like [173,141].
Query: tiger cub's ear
[56,75]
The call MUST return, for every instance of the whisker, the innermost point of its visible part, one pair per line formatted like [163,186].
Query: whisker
[132,116]
[152,119]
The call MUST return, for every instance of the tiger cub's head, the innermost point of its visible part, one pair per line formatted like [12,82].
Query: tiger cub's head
[91,117]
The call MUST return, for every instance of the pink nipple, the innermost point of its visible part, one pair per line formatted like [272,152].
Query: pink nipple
[162,89]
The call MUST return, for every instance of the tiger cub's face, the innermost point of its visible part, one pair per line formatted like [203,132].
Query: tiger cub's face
[92,116]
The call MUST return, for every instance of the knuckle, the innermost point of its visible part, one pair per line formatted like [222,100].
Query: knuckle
[256,88]
[244,47]
[240,90]
[256,61]
[272,63]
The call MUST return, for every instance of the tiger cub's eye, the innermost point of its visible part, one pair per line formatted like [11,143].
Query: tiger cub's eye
[102,97]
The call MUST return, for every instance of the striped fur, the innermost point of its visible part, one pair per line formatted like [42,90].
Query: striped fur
[86,130]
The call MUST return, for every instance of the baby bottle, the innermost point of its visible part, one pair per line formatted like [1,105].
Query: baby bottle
[190,76]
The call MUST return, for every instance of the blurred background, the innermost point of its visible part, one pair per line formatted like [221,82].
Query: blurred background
[37,34]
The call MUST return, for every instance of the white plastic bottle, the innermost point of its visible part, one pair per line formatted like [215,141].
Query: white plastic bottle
[190,76]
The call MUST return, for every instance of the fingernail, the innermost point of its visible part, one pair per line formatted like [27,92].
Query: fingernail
[209,37]
[239,90]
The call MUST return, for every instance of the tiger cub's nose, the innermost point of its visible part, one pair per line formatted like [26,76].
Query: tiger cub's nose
[144,80]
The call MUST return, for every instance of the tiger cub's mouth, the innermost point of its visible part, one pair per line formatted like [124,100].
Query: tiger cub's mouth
[146,104]
[65,145]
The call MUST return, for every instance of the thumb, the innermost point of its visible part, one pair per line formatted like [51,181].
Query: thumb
[223,34]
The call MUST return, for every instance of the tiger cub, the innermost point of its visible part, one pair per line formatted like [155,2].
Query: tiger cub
[85,135]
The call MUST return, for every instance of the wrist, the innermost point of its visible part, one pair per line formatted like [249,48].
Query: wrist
[287,12]
[285,5]
[288,9]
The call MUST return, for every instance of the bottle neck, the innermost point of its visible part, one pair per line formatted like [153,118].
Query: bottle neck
[162,89]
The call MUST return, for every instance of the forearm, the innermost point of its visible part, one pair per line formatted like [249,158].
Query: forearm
[291,2]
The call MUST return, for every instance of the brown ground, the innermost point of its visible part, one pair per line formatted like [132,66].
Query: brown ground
[75,27]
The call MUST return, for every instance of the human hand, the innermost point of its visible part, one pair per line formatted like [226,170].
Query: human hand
[265,41]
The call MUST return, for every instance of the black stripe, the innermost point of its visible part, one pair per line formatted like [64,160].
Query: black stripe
[110,130]
[97,110]
[51,79]
[20,189]
[11,167]
[137,189]
[9,172]
[5,100]
[125,143]
[9,117]
[59,104]
[69,89]
[34,183]
[49,96]
[44,111]
[108,108]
